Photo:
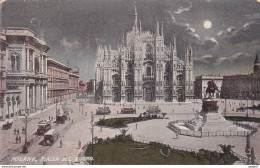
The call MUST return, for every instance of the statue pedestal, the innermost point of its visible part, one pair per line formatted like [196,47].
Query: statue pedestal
[212,119]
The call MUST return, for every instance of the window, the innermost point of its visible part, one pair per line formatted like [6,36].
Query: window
[149,71]
[148,52]
[18,62]
[13,62]
[128,81]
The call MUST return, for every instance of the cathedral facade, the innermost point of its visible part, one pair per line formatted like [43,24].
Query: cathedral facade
[143,68]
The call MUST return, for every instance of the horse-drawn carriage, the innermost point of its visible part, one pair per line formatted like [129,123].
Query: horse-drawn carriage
[7,125]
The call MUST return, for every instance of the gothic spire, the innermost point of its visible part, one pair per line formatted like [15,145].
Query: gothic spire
[162,29]
[256,59]
[157,28]
[135,26]
[256,64]
[140,25]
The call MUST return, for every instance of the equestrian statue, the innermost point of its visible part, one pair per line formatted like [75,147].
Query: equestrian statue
[212,87]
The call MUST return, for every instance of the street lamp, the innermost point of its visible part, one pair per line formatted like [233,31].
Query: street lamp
[92,132]
[225,106]
[25,148]
[247,107]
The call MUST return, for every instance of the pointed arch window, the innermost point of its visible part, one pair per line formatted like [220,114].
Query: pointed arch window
[148,71]
[13,63]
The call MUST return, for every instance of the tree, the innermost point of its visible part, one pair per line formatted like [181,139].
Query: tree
[226,148]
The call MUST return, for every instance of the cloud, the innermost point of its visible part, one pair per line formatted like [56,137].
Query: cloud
[214,60]
[248,32]
[253,16]
[172,17]
[182,9]
[237,56]
[209,60]
[230,30]
[70,45]
[209,42]
[226,33]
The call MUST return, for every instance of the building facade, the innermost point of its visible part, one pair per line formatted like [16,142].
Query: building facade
[61,81]
[201,84]
[26,72]
[3,46]
[82,87]
[143,68]
[242,86]
[91,87]
[74,83]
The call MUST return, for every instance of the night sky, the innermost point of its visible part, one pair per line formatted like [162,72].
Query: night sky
[224,34]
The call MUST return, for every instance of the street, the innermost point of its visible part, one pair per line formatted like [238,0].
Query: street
[80,129]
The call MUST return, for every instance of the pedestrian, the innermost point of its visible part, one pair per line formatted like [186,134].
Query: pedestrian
[79,144]
[20,139]
[18,131]
[16,139]
[135,125]
[177,135]
[60,143]
[14,131]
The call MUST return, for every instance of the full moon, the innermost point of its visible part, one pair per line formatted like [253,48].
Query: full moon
[207,24]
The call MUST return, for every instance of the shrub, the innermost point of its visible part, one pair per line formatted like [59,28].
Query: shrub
[100,141]
[226,148]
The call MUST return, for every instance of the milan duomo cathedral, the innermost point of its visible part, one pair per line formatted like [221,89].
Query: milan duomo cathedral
[143,69]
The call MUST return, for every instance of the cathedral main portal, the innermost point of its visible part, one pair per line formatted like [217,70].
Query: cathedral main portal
[148,91]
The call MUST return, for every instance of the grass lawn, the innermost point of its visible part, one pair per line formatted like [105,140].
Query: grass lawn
[122,122]
[239,118]
[136,153]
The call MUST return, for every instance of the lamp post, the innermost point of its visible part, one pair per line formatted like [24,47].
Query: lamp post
[253,106]
[135,104]
[225,106]
[240,100]
[82,105]
[92,133]
[246,107]
[25,148]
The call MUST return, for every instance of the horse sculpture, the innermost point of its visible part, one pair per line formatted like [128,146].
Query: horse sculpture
[212,87]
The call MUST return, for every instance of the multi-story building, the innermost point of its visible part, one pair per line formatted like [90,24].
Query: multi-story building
[61,81]
[242,86]
[3,46]
[201,84]
[82,86]
[91,87]
[74,83]
[26,75]
[58,81]
[143,68]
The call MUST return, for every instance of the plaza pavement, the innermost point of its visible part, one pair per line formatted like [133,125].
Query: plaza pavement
[80,129]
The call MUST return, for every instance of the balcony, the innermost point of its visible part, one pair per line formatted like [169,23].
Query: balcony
[148,77]
[115,85]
